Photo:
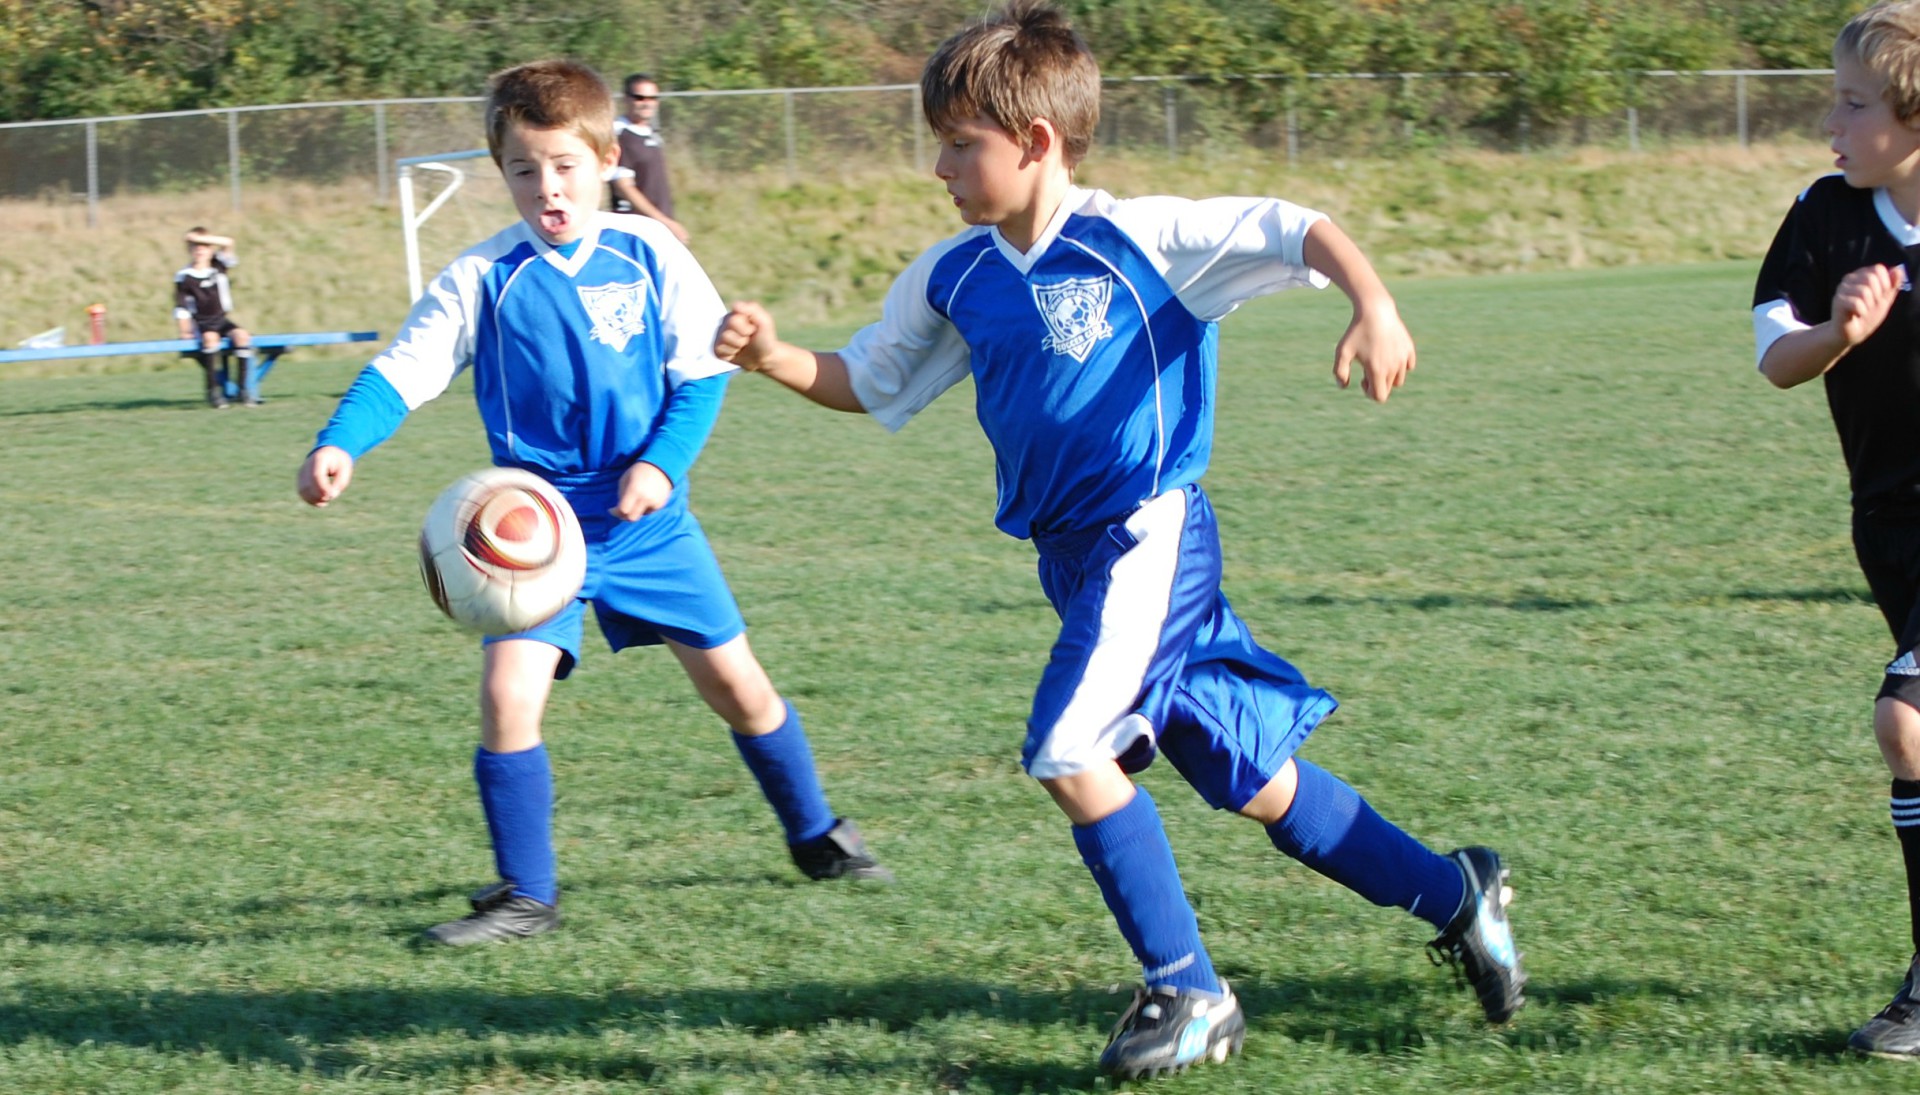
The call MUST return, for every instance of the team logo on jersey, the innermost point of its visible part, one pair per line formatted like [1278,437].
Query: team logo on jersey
[1076,314]
[618,311]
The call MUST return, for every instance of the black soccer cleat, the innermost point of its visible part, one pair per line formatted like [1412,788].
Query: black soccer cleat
[1894,1034]
[1169,1030]
[1478,941]
[840,852]
[497,916]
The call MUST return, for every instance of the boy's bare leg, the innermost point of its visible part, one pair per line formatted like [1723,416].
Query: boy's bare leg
[771,740]
[515,782]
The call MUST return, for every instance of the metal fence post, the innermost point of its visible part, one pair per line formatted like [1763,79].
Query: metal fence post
[1633,129]
[1293,124]
[1740,98]
[93,175]
[793,171]
[380,148]
[1173,118]
[919,131]
[233,155]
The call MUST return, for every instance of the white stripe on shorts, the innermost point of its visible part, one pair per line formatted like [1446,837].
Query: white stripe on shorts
[1099,722]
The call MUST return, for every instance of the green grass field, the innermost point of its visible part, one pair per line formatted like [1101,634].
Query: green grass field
[1584,589]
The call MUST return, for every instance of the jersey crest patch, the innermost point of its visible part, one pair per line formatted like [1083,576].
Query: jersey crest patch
[618,311]
[1076,314]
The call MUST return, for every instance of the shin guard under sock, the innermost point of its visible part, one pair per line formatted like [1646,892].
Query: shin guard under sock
[516,792]
[1132,862]
[1331,828]
[782,763]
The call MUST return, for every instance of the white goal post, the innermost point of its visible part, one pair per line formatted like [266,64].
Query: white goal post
[452,178]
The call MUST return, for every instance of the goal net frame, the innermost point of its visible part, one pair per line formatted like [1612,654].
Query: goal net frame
[440,164]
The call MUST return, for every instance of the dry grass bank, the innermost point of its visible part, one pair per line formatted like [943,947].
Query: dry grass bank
[825,249]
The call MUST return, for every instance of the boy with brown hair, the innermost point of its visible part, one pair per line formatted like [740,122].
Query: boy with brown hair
[590,340]
[1834,300]
[1087,324]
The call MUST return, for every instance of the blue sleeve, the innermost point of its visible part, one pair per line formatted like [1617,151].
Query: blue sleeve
[692,409]
[367,415]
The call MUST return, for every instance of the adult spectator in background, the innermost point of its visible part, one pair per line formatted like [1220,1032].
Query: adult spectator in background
[639,184]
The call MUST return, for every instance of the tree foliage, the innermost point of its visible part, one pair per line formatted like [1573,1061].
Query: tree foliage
[72,58]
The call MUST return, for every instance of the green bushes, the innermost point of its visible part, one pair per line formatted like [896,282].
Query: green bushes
[1568,56]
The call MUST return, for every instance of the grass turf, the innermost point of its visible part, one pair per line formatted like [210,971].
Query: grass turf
[1584,589]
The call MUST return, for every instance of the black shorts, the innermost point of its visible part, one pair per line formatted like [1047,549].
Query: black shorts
[1887,542]
[222,326]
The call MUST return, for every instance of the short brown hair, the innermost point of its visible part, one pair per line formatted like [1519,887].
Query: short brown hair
[1885,40]
[550,95]
[1017,64]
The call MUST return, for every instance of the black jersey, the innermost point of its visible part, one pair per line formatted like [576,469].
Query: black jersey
[643,153]
[1832,230]
[204,296]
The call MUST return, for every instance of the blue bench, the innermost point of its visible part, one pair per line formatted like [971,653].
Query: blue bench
[267,350]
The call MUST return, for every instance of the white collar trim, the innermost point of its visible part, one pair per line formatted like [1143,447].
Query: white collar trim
[1907,234]
[1070,202]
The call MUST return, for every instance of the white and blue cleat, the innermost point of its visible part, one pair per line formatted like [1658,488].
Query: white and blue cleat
[1479,941]
[1168,1030]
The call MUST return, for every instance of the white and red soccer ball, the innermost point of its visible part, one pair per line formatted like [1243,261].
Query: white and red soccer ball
[501,551]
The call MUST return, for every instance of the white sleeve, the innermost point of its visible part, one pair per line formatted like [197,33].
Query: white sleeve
[436,341]
[691,310]
[1218,253]
[900,364]
[1771,322]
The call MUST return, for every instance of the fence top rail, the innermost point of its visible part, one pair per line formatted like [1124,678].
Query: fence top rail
[215,110]
[704,94]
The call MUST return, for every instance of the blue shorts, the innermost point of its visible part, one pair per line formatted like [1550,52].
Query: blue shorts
[648,580]
[1151,657]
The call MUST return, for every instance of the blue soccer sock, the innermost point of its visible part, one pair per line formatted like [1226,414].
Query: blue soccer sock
[1331,828]
[1128,854]
[516,791]
[782,762]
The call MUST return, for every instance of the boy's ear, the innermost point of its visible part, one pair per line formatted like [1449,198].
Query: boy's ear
[1041,138]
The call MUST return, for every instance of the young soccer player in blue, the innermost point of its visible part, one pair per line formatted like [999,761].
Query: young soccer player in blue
[590,339]
[1834,301]
[1087,324]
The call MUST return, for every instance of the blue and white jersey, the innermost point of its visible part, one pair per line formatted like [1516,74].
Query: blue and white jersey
[574,356]
[1093,354]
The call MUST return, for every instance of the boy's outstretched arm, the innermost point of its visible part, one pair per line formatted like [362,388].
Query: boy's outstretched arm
[1376,338]
[324,476]
[748,339]
[1860,305]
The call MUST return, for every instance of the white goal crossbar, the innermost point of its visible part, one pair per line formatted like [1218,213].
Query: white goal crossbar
[410,221]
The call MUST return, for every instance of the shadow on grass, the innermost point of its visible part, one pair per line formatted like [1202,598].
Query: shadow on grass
[426,1033]
[94,406]
[1442,602]
[1382,1016]
[449,1032]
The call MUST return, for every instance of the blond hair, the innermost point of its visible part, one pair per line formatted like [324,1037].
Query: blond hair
[1885,40]
[550,95]
[1015,65]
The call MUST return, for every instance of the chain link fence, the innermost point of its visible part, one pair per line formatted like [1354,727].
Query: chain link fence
[814,132]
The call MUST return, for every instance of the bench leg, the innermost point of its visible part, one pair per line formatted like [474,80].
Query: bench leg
[262,364]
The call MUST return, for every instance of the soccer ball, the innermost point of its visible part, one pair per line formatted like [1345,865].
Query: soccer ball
[501,551]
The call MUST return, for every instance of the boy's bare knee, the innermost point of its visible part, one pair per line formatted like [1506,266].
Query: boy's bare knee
[1092,795]
[1273,801]
[1896,727]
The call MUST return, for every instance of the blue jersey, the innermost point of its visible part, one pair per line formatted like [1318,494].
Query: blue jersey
[576,357]
[1093,354]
